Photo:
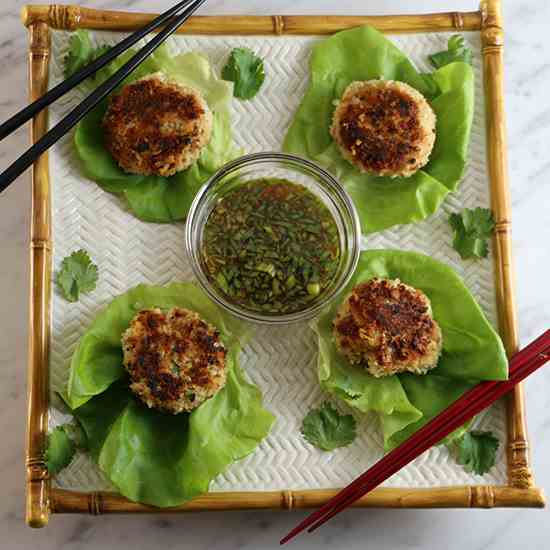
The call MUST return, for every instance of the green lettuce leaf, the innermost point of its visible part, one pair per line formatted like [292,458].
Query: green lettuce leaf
[472,350]
[364,54]
[156,198]
[151,457]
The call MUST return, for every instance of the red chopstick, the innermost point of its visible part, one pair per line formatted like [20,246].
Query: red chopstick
[461,418]
[478,398]
[409,445]
[471,403]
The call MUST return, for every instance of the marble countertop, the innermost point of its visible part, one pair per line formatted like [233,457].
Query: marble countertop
[527,83]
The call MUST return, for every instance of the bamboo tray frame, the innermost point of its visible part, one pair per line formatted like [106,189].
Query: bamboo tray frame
[42,498]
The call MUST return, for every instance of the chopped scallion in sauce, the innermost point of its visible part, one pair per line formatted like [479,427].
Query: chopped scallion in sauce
[271,246]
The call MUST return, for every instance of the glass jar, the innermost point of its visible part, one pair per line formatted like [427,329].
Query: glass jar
[296,170]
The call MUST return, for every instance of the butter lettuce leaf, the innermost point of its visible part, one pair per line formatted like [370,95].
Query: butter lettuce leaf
[157,198]
[152,457]
[364,54]
[472,350]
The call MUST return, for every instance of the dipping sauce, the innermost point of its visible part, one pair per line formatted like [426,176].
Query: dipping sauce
[271,245]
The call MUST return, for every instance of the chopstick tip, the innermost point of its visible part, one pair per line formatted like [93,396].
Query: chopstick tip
[288,537]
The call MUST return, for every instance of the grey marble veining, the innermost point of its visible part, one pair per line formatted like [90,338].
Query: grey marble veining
[528,108]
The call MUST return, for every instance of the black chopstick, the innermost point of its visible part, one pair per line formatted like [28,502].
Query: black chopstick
[62,88]
[104,89]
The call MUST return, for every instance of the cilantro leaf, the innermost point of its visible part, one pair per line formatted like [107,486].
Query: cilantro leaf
[77,274]
[327,429]
[472,228]
[246,70]
[60,450]
[77,435]
[456,51]
[476,451]
[81,52]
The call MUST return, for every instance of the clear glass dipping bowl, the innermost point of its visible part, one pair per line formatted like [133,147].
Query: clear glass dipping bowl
[296,170]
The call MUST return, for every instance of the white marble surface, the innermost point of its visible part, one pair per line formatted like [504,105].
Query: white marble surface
[527,82]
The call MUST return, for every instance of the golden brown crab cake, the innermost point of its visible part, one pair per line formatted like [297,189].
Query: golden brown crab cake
[384,127]
[156,126]
[176,360]
[387,327]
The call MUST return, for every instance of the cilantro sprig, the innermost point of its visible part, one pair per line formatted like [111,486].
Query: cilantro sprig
[476,451]
[81,52]
[327,429]
[62,443]
[456,51]
[60,450]
[472,228]
[78,274]
[246,70]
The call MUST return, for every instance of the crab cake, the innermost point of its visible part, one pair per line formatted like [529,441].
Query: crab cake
[384,127]
[156,126]
[387,327]
[176,360]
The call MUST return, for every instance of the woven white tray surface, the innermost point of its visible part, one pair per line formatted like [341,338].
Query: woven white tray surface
[282,361]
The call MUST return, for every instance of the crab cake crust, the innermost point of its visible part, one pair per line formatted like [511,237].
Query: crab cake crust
[384,127]
[387,327]
[176,360]
[155,126]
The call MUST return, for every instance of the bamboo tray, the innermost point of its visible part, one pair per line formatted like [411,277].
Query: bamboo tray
[42,497]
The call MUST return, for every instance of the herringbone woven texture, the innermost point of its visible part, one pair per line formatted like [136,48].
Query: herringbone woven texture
[282,360]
